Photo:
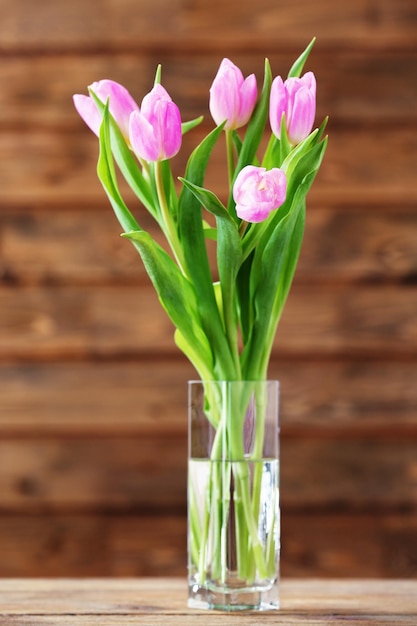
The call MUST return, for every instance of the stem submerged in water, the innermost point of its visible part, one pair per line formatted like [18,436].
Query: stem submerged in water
[235,539]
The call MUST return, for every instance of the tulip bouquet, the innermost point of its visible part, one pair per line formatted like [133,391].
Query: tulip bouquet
[226,316]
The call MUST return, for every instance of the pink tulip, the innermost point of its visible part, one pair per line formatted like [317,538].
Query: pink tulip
[121,105]
[232,98]
[258,191]
[296,98]
[155,131]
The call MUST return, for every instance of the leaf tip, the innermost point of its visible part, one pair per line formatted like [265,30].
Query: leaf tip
[158,74]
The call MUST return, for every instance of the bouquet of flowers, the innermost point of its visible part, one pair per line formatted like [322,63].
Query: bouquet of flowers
[225,316]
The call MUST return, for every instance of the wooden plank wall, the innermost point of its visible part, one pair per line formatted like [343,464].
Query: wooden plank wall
[92,389]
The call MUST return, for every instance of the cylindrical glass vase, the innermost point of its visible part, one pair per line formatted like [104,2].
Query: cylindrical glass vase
[233,495]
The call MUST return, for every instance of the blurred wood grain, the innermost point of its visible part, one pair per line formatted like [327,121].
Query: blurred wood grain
[92,388]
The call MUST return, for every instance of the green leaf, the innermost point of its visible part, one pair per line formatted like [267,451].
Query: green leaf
[229,248]
[229,252]
[298,65]
[299,150]
[277,149]
[127,163]
[303,159]
[322,127]
[299,165]
[282,251]
[256,126]
[275,257]
[195,355]
[271,277]
[210,232]
[192,237]
[245,302]
[107,175]
[175,293]
[190,222]
[285,146]
[272,156]
[187,126]
[253,244]
[158,74]
[209,200]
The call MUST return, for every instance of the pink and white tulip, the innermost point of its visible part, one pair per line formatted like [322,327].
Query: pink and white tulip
[121,105]
[155,131]
[296,99]
[232,97]
[258,191]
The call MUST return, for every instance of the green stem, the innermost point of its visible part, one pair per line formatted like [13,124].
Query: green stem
[225,472]
[230,157]
[251,555]
[195,529]
[257,455]
[242,539]
[236,400]
[243,476]
[242,228]
[231,330]
[228,462]
[168,224]
[210,510]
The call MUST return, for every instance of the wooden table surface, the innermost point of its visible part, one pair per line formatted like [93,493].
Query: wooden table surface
[153,601]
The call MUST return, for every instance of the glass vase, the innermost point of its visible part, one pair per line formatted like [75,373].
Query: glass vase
[233,495]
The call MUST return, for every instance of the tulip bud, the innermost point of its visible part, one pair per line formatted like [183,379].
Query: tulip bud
[296,99]
[155,131]
[121,105]
[232,98]
[258,191]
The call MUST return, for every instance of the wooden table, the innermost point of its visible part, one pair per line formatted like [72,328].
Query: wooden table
[152,601]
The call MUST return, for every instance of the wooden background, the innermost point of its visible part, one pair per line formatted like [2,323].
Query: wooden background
[92,388]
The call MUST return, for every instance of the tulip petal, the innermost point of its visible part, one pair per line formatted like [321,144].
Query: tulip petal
[277,105]
[248,96]
[172,136]
[121,103]
[87,110]
[142,137]
[302,120]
